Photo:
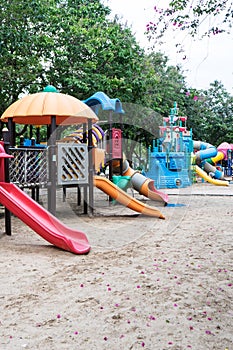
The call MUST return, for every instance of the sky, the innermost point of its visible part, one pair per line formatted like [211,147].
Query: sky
[203,62]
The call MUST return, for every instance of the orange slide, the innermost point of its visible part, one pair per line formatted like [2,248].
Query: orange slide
[122,197]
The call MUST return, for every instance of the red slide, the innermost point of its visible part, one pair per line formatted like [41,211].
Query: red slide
[41,221]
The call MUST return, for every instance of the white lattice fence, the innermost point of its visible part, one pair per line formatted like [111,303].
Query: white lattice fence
[72,164]
[29,167]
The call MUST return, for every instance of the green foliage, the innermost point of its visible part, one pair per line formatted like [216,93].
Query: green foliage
[69,44]
[72,45]
[211,115]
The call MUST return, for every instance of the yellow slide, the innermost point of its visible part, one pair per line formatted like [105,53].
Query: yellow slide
[209,179]
[122,197]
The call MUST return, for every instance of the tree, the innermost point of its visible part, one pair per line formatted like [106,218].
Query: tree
[198,17]
[67,43]
[22,47]
[163,85]
[210,114]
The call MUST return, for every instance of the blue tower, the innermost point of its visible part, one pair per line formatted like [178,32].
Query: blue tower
[170,157]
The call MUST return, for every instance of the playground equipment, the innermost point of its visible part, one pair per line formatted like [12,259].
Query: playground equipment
[129,176]
[142,184]
[176,157]
[37,218]
[204,156]
[224,157]
[122,197]
[52,108]
[170,158]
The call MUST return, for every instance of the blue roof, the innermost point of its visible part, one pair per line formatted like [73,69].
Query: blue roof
[100,99]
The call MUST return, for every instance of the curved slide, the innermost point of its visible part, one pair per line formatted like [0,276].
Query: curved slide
[41,221]
[209,179]
[122,197]
[142,184]
[207,151]
[146,186]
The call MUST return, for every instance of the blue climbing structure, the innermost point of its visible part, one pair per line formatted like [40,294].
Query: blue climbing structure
[170,157]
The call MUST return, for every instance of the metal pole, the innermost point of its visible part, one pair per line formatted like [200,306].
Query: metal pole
[90,166]
[6,139]
[110,146]
[85,200]
[110,151]
[52,168]
[121,160]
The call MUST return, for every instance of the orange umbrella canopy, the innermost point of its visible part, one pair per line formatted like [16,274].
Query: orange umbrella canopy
[38,108]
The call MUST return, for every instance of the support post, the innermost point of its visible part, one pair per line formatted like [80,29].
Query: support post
[90,166]
[6,140]
[110,150]
[85,200]
[52,168]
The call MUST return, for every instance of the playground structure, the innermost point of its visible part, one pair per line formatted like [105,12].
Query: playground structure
[170,156]
[57,165]
[176,157]
[123,175]
[207,166]
[74,161]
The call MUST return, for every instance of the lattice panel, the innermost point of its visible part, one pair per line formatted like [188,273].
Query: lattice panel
[72,164]
[29,167]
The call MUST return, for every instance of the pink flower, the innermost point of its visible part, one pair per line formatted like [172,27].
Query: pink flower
[195,98]
[152,318]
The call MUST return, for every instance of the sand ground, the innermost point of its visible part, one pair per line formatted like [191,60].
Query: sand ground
[146,283]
